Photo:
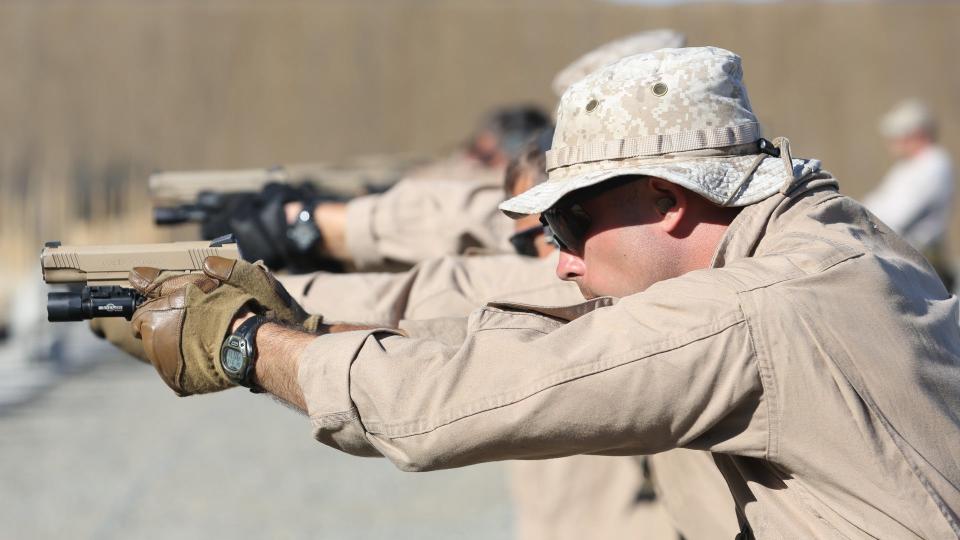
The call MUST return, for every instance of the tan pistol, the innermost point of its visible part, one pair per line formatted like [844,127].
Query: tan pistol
[96,276]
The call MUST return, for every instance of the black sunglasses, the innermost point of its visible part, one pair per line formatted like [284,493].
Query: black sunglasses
[568,225]
[568,222]
[525,241]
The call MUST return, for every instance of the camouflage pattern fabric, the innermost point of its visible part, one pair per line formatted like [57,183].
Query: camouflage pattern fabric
[678,114]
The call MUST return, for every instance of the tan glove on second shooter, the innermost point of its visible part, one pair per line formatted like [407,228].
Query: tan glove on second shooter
[188,317]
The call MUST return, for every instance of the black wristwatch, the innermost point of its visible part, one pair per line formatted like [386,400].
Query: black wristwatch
[238,354]
[303,234]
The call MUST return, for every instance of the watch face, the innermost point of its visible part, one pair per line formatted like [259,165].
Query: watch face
[232,360]
[303,235]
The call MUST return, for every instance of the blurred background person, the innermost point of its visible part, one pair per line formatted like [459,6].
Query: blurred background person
[499,137]
[450,206]
[915,197]
[445,207]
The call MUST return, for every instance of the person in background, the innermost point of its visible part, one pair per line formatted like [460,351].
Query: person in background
[444,208]
[450,207]
[915,198]
[499,137]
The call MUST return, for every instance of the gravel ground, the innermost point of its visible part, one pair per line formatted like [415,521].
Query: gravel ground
[111,453]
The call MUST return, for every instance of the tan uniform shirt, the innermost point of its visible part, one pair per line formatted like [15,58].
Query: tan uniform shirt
[693,493]
[417,220]
[817,359]
[457,166]
[586,498]
[580,497]
[451,286]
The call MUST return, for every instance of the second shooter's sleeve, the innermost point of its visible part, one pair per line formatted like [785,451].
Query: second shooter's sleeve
[416,220]
[450,286]
[671,367]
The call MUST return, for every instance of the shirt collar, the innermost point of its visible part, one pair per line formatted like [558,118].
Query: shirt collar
[760,219]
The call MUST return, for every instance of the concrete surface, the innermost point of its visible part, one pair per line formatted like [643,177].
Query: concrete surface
[111,453]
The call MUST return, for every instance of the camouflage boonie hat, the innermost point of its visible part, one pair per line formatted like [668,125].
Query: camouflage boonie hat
[682,115]
[609,53]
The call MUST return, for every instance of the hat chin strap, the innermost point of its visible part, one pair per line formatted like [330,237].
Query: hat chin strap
[783,144]
[780,147]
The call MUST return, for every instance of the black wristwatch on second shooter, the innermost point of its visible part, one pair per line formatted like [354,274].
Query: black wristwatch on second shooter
[238,354]
[304,234]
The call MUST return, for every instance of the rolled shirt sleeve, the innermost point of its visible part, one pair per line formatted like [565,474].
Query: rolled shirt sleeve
[670,367]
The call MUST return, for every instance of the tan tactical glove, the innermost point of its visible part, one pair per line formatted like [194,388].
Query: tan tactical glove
[255,279]
[188,317]
[119,332]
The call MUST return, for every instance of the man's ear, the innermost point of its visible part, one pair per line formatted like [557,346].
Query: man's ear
[670,202]
[664,204]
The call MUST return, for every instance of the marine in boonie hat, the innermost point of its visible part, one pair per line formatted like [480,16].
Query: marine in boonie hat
[682,115]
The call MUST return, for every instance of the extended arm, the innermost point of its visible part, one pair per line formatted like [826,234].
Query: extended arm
[280,348]
[673,366]
[655,371]
[450,286]
[276,370]
[421,219]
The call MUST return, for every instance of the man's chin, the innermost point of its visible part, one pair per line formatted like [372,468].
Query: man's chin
[587,293]
[590,294]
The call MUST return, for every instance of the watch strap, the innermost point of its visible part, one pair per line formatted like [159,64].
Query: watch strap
[247,331]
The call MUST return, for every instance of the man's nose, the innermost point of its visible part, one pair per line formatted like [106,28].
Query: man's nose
[570,266]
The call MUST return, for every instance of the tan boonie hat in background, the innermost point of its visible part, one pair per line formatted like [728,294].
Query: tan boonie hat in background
[906,118]
[609,53]
[682,115]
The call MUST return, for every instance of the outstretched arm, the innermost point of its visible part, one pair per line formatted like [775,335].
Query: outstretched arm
[638,377]
[278,363]
[673,366]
